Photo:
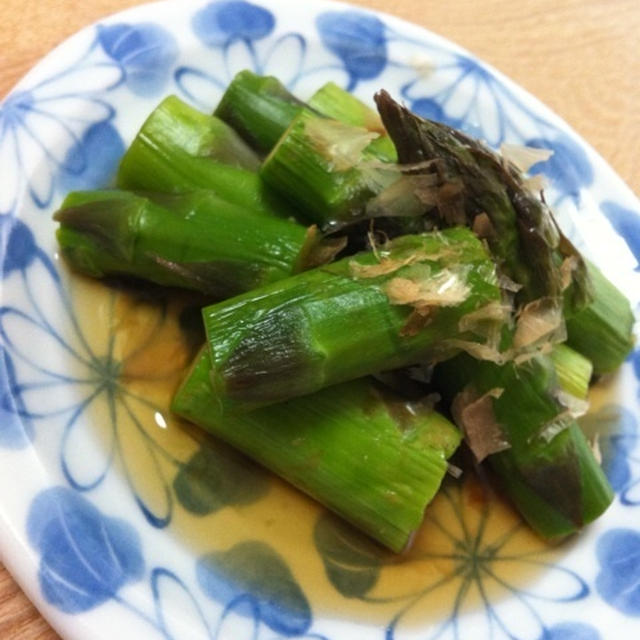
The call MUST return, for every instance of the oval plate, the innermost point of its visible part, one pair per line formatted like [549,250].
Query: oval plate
[116,520]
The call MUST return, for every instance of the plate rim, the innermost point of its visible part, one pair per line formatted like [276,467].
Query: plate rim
[12,544]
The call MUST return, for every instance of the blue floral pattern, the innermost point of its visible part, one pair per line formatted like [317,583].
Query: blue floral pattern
[102,375]
[85,557]
[62,131]
[233,30]
[484,560]
[358,39]
[71,108]
[144,52]
[221,23]
[21,116]
[619,579]
[254,574]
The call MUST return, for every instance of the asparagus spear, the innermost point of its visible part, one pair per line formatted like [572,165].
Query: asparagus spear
[573,370]
[195,241]
[513,415]
[369,312]
[320,165]
[336,103]
[603,331]
[473,181]
[259,108]
[178,149]
[370,457]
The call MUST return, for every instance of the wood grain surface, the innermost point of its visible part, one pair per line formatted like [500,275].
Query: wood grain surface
[580,57]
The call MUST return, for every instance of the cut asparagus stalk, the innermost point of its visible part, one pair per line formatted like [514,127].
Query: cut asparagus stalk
[375,460]
[195,241]
[336,103]
[476,187]
[514,415]
[603,331]
[321,166]
[574,371]
[373,311]
[259,108]
[178,149]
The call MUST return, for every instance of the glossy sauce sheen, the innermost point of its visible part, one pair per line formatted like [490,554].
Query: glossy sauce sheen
[471,548]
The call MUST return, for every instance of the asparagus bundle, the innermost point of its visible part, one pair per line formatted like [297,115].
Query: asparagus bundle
[416,299]
[195,241]
[178,149]
[359,315]
[361,451]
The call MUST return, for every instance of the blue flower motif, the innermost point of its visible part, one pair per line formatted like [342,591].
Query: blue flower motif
[568,169]
[144,51]
[626,222]
[481,553]
[464,94]
[96,156]
[54,372]
[220,23]
[571,631]
[24,118]
[358,39]
[85,556]
[19,248]
[253,573]
[618,582]
[235,45]
[39,126]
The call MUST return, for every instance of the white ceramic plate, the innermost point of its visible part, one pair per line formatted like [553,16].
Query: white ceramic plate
[105,520]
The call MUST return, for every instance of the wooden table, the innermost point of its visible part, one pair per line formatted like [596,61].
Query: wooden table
[580,57]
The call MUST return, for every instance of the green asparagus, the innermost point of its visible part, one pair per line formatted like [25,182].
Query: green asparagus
[320,166]
[477,188]
[603,331]
[336,103]
[487,193]
[286,374]
[195,241]
[259,108]
[178,149]
[514,416]
[399,305]
[573,370]
[367,455]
